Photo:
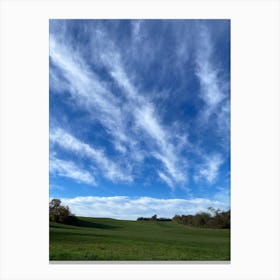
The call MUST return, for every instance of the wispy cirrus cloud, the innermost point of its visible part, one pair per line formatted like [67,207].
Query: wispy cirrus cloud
[95,95]
[101,78]
[210,84]
[70,170]
[147,120]
[88,91]
[209,169]
[108,168]
[214,86]
[165,152]
[166,179]
[123,207]
[215,112]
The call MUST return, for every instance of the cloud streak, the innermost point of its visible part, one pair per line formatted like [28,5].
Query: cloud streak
[209,170]
[70,170]
[207,73]
[70,143]
[214,86]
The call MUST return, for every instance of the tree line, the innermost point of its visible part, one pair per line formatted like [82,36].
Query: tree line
[215,218]
[154,218]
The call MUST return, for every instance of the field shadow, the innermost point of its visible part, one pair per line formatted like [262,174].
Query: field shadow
[82,223]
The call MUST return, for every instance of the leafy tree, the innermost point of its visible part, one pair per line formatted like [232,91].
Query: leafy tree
[59,213]
[177,219]
[154,218]
[201,219]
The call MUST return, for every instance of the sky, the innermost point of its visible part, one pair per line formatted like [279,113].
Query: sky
[139,116]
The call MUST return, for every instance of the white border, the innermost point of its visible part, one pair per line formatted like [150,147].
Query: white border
[255,138]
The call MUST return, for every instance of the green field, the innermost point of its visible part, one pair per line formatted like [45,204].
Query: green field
[109,239]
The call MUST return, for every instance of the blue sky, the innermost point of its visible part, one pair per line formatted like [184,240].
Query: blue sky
[140,116]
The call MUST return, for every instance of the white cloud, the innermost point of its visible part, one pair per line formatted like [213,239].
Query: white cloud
[166,179]
[146,119]
[121,78]
[123,207]
[166,153]
[214,91]
[70,170]
[68,142]
[209,170]
[211,87]
[136,30]
[223,124]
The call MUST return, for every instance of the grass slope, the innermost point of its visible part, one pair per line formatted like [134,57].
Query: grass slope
[109,239]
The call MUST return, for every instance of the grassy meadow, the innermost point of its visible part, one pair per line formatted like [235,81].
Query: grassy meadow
[111,240]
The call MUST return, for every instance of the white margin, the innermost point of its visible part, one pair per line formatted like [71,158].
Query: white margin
[254,143]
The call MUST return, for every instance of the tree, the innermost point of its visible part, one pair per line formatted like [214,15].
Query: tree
[201,219]
[177,219]
[54,206]
[59,213]
[154,218]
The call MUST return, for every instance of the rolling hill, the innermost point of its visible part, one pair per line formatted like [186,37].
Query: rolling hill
[107,239]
